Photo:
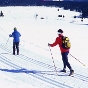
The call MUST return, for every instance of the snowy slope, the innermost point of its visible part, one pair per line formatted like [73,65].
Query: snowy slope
[34,67]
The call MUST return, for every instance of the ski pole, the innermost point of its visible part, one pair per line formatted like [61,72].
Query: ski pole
[77,60]
[7,41]
[53,60]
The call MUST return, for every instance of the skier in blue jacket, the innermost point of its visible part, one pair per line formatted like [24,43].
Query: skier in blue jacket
[16,40]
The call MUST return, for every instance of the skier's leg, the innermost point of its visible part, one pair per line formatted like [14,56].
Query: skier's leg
[17,47]
[64,63]
[65,59]
[13,48]
[65,55]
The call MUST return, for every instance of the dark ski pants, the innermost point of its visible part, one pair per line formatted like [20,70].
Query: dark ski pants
[15,47]
[65,60]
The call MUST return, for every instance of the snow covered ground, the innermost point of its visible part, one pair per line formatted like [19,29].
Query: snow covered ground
[34,67]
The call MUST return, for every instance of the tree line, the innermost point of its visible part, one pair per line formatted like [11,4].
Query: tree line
[72,5]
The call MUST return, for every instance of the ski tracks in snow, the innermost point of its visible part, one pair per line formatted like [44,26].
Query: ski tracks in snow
[47,76]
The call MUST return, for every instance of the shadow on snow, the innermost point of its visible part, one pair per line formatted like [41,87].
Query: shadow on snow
[32,71]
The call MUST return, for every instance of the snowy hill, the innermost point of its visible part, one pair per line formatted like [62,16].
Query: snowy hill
[34,67]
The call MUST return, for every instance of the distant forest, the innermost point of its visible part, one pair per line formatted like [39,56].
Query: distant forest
[72,5]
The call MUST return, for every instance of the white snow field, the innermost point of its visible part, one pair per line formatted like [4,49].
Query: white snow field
[34,66]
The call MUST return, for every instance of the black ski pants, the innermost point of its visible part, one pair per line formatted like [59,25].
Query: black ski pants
[65,60]
[15,47]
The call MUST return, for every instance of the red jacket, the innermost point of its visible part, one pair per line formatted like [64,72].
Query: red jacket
[59,42]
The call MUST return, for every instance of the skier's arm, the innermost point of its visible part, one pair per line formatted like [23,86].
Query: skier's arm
[19,34]
[10,35]
[55,43]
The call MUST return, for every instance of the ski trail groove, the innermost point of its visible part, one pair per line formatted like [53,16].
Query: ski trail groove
[39,76]
[78,76]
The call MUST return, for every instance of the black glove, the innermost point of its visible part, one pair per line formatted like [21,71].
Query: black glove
[10,35]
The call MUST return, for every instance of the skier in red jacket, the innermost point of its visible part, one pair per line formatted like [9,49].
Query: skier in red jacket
[64,52]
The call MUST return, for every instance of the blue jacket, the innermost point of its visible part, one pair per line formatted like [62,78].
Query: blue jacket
[15,36]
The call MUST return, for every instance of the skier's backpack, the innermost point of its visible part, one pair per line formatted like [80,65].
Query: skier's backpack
[66,42]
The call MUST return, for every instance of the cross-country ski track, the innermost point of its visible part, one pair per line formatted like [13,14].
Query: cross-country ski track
[47,74]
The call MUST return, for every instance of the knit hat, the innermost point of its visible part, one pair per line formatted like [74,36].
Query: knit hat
[15,28]
[60,31]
